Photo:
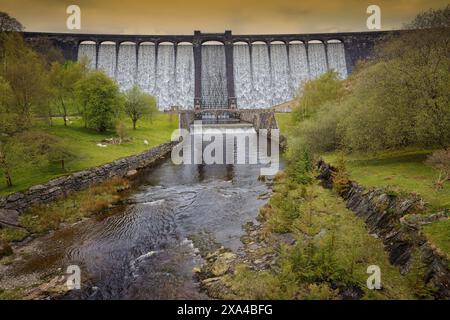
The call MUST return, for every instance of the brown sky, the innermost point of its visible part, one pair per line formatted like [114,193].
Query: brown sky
[240,16]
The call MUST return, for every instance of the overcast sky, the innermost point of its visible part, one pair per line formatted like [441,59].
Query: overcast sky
[240,16]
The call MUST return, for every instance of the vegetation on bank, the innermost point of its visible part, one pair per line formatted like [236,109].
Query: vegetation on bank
[40,219]
[388,124]
[12,234]
[403,170]
[58,116]
[398,99]
[332,252]
[11,294]
[284,121]
[83,144]
[438,233]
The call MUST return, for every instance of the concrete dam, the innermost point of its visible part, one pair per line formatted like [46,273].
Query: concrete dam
[217,71]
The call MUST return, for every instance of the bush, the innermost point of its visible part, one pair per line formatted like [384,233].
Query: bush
[9,121]
[42,218]
[315,93]
[300,162]
[32,149]
[100,100]
[321,133]
[121,131]
[341,179]
[12,234]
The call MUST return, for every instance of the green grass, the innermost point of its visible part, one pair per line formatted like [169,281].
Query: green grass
[12,234]
[439,234]
[45,217]
[84,143]
[15,294]
[402,170]
[333,246]
[284,122]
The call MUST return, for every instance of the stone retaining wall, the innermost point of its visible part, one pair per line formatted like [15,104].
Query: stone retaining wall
[386,216]
[261,119]
[18,202]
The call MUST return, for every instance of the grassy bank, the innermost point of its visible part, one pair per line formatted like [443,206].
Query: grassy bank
[43,218]
[83,142]
[401,170]
[331,255]
[284,122]
[438,233]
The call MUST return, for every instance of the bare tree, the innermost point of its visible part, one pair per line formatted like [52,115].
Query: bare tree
[440,160]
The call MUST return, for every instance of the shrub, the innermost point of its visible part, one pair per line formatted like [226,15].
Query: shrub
[39,148]
[321,291]
[121,131]
[42,218]
[341,180]
[12,234]
[300,162]
[315,93]
[100,100]
[321,133]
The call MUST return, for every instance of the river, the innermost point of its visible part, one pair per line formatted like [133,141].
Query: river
[148,246]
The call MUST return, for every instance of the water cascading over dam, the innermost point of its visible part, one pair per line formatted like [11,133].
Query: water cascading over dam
[264,74]
[214,77]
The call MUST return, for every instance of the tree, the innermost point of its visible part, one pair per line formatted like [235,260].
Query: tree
[32,149]
[121,131]
[440,160]
[9,121]
[401,98]
[5,164]
[9,24]
[62,81]
[153,107]
[433,18]
[45,48]
[59,152]
[99,97]
[139,104]
[25,72]
[315,93]
[398,99]
[18,151]
[5,94]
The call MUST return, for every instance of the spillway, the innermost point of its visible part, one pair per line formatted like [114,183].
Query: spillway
[264,74]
